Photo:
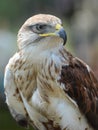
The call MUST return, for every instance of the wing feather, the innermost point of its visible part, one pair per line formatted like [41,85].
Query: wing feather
[13,99]
[82,86]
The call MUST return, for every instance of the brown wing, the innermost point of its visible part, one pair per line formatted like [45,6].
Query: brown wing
[82,86]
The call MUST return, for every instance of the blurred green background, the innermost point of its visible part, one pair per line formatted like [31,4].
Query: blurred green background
[80,19]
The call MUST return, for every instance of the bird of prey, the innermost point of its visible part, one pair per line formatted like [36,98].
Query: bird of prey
[45,85]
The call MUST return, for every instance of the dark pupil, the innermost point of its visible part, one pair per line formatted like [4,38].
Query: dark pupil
[40,27]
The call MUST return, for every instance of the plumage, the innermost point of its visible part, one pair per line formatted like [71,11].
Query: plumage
[45,85]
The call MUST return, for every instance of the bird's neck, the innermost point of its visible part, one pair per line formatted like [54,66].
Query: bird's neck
[39,51]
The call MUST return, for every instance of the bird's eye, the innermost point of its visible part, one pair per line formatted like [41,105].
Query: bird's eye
[38,28]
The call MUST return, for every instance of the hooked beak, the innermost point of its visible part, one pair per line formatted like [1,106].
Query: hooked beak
[62,34]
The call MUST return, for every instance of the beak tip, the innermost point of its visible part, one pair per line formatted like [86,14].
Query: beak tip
[63,35]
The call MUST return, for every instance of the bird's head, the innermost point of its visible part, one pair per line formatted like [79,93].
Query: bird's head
[41,28]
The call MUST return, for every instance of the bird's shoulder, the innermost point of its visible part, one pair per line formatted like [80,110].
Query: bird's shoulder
[81,85]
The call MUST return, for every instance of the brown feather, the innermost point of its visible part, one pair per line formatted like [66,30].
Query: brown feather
[82,86]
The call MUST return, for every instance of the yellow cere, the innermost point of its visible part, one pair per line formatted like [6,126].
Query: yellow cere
[58,26]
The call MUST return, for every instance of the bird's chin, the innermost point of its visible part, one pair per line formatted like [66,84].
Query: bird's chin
[51,42]
[57,40]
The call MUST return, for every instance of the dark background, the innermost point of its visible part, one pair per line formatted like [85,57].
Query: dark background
[80,19]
